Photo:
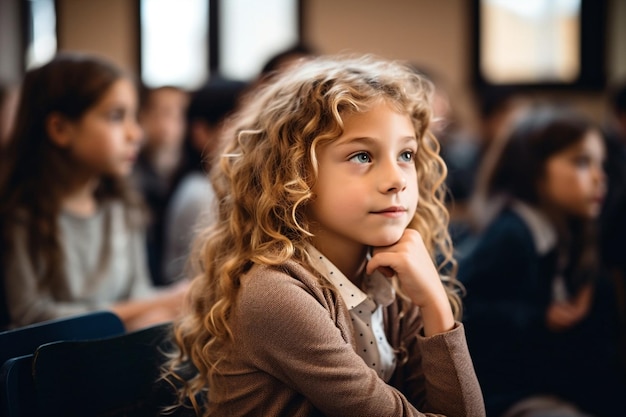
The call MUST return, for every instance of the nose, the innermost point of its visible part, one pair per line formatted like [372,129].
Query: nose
[134,133]
[600,176]
[392,178]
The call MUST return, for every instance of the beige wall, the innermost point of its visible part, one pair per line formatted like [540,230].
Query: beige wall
[616,43]
[433,34]
[106,27]
[429,32]
[10,47]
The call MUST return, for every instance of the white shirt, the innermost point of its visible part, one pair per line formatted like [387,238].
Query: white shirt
[545,238]
[366,310]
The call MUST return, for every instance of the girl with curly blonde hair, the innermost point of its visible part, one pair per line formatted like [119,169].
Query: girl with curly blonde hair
[321,289]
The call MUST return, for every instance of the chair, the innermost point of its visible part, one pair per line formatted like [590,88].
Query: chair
[5,318]
[18,390]
[92,325]
[118,376]
[18,345]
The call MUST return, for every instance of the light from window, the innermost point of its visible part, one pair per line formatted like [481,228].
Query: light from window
[43,44]
[252,31]
[530,41]
[174,45]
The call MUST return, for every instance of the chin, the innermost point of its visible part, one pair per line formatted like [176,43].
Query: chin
[386,240]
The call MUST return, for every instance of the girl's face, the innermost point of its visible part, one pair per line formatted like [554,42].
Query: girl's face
[574,180]
[367,192]
[106,139]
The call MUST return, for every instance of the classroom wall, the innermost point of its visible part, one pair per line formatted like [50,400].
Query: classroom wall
[10,48]
[433,34]
[616,44]
[107,27]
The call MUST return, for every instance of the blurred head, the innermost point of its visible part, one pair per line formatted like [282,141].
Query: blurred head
[162,117]
[553,158]
[208,109]
[283,60]
[60,102]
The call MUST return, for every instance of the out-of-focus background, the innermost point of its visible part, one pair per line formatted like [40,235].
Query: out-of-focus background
[461,41]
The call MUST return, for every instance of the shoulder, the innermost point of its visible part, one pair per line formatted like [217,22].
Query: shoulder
[508,228]
[506,244]
[286,298]
[194,181]
[193,193]
[264,283]
[285,290]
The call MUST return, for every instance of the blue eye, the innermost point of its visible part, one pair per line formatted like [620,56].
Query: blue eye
[407,156]
[361,158]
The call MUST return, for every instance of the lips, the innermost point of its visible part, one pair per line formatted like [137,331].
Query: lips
[391,211]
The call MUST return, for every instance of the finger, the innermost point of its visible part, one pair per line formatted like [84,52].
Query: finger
[386,271]
[379,261]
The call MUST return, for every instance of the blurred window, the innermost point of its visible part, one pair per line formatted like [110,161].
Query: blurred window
[555,43]
[177,37]
[41,41]
[530,41]
[251,31]
[174,42]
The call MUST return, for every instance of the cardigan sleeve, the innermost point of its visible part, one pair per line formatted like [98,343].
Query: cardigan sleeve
[438,373]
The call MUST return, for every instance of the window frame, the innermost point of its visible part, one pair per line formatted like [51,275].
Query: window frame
[592,50]
[214,53]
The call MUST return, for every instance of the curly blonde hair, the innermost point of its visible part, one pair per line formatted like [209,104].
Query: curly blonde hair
[264,181]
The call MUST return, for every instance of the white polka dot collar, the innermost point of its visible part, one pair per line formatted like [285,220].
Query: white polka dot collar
[377,286]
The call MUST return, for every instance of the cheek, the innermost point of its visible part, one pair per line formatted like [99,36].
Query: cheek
[567,188]
[338,196]
[556,176]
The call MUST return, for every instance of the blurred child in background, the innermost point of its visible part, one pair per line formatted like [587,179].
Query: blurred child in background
[540,316]
[162,118]
[191,204]
[72,231]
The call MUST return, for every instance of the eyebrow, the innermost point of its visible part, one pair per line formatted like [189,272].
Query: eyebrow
[367,140]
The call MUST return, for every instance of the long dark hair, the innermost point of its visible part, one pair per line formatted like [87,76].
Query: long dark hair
[34,172]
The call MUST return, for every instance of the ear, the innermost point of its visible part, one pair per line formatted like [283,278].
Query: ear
[59,129]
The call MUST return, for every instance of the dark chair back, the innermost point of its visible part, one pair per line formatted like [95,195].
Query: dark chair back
[111,377]
[17,347]
[17,387]
[25,340]
[5,316]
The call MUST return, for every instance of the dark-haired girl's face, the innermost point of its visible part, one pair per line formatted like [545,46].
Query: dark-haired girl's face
[574,181]
[106,139]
